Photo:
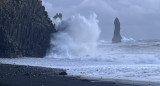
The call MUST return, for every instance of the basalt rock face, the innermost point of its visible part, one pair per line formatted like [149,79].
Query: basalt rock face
[25,28]
[117,37]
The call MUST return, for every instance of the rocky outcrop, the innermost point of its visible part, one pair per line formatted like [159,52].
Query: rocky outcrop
[25,28]
[58,15]
[117,37]
[57,21]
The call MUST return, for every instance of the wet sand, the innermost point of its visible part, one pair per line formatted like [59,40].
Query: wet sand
[14,75]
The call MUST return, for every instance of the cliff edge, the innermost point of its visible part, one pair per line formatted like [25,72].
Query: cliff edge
[25,28]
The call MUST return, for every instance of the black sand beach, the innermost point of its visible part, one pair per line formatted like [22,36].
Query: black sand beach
[13,75]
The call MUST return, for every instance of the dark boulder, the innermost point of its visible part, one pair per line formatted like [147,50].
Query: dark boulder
[25,28]
[117,37]
[63,73]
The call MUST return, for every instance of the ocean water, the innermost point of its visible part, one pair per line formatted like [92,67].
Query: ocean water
[130,60]
[128,52]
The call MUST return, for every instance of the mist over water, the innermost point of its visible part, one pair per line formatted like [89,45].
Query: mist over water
[78,39]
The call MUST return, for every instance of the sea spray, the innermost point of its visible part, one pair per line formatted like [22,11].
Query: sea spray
[76,36]
[125,39]
[77,39]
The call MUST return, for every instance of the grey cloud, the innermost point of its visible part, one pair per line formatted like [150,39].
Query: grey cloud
[139,18]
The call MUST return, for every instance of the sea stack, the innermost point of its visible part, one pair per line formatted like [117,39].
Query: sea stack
[117,37]
[25,29]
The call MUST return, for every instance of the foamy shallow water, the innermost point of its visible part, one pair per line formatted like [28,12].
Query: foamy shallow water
[135,60]
[95,69]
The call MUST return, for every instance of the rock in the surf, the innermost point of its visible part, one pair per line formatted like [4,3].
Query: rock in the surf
[117,37]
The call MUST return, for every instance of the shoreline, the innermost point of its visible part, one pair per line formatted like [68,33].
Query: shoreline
[124,81]
[21,75]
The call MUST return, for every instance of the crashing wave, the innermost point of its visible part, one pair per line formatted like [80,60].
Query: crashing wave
[76,36]
[124,39]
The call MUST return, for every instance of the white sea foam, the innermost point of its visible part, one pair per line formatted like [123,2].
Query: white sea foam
[124,39]
[76,36]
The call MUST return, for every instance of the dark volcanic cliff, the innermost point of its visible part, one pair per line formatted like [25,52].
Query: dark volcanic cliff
[25,28]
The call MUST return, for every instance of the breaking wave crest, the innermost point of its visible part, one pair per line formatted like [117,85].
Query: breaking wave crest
[76,36]
[125,39]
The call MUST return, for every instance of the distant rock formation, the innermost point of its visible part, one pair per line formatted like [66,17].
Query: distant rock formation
[117,37]
[57,21]
[25,28]
[58,15]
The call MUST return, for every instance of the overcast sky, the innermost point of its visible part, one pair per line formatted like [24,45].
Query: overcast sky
[140,19]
